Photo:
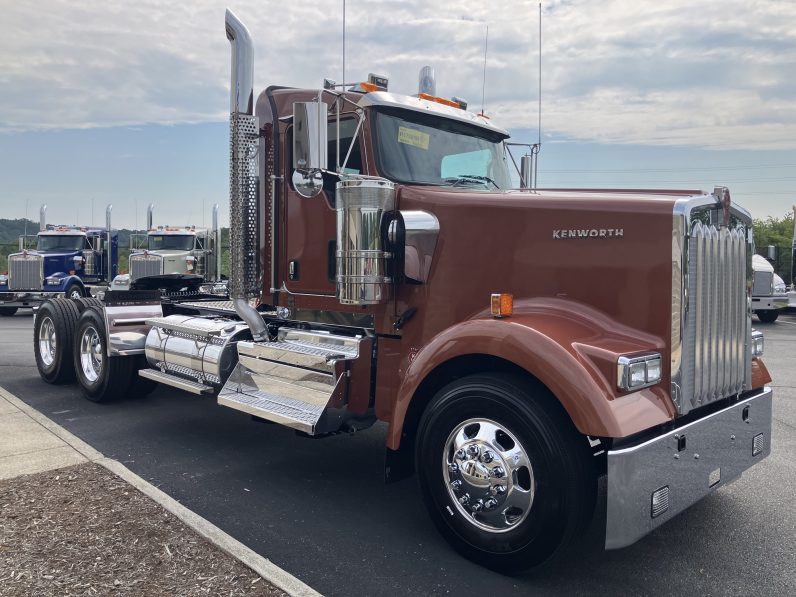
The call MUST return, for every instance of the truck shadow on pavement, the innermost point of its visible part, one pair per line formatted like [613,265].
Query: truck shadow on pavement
[319,507]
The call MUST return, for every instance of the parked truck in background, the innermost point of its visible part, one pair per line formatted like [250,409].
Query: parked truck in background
[520,344]
[178,250]
[769,293]
[69,261]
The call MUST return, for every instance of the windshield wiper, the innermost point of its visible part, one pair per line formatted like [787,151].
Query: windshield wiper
[464,178]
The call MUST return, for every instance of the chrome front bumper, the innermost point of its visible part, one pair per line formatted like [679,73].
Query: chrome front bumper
[683,466]
[768,303]
[27,298]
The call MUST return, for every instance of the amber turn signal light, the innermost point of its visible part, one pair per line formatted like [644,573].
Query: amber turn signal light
[502,305]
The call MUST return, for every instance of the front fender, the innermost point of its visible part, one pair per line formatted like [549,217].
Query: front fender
[568,347]
[65,280]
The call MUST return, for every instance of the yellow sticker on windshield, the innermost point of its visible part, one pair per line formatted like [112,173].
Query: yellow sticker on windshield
[413,137]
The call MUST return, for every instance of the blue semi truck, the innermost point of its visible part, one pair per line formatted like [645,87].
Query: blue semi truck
[69,261]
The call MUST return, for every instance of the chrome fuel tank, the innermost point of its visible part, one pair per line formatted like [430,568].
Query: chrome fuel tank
[198,348]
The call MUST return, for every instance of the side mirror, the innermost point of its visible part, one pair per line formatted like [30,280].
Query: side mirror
[309,146]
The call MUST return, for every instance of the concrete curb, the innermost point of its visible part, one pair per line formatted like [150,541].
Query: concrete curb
[265,568]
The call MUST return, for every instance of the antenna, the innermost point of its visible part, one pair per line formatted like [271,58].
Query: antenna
[483,86]
[343,45]
[539,128]
[540,74]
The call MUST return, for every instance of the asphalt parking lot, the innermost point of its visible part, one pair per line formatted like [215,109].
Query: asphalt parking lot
[320,510]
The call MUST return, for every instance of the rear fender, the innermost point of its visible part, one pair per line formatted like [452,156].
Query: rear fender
[568,347]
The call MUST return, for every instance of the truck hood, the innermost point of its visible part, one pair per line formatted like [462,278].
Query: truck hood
[609,250]
[761,264]
[56,261]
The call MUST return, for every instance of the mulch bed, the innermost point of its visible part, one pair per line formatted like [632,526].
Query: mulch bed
[82,530]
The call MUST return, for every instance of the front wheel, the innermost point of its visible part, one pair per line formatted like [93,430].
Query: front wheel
[7,311]
[73,291]
[505,476]
[769,316]
[102,377]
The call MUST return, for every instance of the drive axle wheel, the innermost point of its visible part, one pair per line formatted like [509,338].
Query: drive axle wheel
[505,476]
[53,332]
[101,377]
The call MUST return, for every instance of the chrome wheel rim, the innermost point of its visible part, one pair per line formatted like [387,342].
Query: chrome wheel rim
[75,293]
[488,475]
[47,341]
[91,354]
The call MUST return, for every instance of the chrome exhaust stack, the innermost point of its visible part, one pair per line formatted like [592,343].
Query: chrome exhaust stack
[244,179]
[109,235]
[43,217]
[217,244]
[149,212]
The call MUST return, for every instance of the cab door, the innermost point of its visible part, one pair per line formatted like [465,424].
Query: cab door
[310,244]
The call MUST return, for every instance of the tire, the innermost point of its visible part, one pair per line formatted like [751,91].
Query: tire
[8,311]
[74,291]
[53,340]
[102,377]
[768,316]
[503,432]
[84,303]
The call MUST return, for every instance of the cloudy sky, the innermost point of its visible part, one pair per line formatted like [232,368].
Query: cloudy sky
[126,102]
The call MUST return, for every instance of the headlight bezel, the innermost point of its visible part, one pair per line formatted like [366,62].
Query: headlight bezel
[630,367]
[758,343]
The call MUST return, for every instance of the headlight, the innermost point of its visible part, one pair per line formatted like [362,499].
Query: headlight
[3,279]
[638,371]
[758,343]
[53,281]
[780,289]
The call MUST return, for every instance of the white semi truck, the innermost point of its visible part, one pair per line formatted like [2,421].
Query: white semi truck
[178,250]
[769,293]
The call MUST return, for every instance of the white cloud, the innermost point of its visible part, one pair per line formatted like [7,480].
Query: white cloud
[713,74]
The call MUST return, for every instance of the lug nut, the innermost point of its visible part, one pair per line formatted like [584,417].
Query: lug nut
[490,503]
[498,472]
[473,451]
[453,468]
[488,456]
[498,489]
[461,455]
[465,499]
[456,485]
[477,506]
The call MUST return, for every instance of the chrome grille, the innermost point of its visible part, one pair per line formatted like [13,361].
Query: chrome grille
[145,265]
[25,272]
[763,284]
[711,317]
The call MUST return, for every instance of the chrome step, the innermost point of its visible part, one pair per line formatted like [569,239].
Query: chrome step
[299,380]
[176,382]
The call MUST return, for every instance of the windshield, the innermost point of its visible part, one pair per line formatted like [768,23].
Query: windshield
[420,148]
[178,242]
[60,243]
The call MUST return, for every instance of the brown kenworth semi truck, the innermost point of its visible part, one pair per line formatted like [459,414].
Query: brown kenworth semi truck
[520,344]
